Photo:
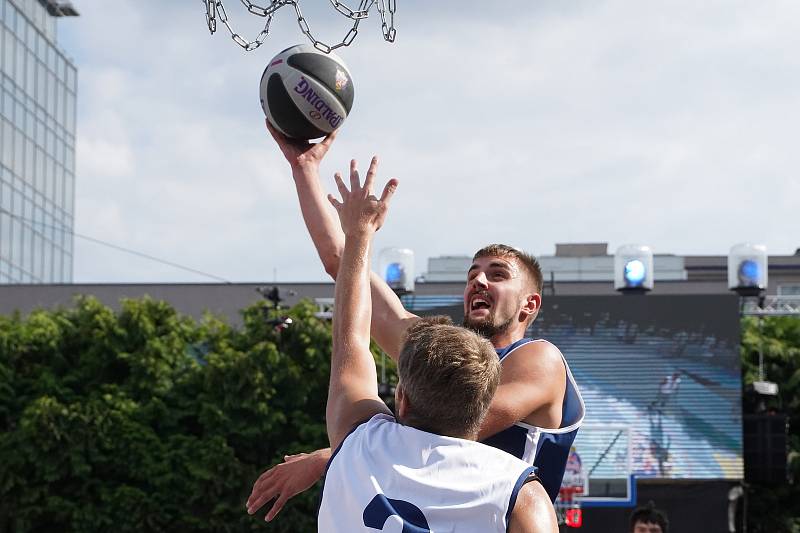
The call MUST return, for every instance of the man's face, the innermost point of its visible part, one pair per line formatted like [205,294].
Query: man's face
[646,527]
[494,295]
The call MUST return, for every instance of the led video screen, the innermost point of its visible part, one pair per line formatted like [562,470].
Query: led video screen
[667,368]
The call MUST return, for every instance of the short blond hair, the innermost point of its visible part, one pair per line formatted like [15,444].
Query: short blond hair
[449,375]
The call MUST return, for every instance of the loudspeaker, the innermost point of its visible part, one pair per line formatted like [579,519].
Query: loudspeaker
[765,448]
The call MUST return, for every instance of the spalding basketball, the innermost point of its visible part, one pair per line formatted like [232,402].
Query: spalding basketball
[306,94]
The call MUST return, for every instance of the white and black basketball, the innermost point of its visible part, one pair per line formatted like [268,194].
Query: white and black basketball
[305,93]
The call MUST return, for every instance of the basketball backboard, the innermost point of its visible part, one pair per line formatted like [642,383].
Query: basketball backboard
[602,461]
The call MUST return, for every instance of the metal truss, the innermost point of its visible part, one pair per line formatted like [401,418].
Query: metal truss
[771,306]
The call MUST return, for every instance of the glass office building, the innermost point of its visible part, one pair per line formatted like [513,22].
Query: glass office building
[37,135]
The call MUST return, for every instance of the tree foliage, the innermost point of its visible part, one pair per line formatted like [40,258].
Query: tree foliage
[775,508]
[143,420]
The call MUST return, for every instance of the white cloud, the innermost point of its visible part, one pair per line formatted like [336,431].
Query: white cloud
[102,157]
[612,121]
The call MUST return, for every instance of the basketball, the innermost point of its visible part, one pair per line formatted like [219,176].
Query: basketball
[306,94]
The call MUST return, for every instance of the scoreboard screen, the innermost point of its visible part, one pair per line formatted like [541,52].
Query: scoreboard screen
[666,367]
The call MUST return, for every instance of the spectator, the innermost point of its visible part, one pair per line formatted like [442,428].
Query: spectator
[648,519]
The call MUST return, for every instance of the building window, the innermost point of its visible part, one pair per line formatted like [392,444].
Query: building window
[789,289]
[37,99]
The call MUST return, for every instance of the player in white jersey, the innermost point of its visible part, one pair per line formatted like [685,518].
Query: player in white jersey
[422,472]
[387,472]
[537,396]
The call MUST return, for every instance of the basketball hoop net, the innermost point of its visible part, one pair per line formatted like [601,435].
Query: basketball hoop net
[215,11]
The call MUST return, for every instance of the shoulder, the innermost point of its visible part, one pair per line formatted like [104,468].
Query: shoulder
[379,422]
[370,428]
[536,355]
[531,494]
[533,510]
[533,347]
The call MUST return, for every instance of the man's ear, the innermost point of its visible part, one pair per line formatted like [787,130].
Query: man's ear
[401,404]
[533,302]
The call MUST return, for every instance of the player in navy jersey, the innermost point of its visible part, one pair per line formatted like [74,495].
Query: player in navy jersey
[422,471]
[537,408]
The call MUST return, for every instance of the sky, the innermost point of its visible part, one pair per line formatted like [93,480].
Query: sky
[672,124]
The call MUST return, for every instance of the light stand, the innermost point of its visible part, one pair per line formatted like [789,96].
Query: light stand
[747,276]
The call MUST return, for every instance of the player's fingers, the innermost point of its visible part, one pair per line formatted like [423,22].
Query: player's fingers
[277,506]
[265,479]
[388,191]
[275,132]
[340,185]
[282,139]
[329,138]
[334,202]
[263,496]
[253,495]
[254,502]
[373,169]
[259,502]
[355,183]
[258,486]
[278,136]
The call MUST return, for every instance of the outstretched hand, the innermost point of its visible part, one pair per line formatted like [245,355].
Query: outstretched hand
[360,212]
[285,480]
[302,153]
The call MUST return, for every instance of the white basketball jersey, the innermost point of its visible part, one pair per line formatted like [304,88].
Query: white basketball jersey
[397,479]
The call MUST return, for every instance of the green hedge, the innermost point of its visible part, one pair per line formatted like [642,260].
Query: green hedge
[143,420]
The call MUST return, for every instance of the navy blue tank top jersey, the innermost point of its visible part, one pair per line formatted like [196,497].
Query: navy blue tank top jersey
[545,448]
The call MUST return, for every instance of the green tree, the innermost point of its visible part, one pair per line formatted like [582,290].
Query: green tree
[775,508]
[143,420]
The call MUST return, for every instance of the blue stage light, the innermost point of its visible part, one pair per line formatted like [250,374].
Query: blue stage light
[635,272]
[395,274]
[749,273]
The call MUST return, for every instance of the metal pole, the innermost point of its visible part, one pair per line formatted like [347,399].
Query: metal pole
[760,348]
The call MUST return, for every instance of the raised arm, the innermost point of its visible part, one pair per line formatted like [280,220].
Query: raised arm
[389,319]
[353,391]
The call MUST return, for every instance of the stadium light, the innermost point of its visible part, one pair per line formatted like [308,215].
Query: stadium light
[747,269]
[633,268]
[396,267]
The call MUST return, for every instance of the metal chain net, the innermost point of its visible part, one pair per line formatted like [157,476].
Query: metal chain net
[215,11]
